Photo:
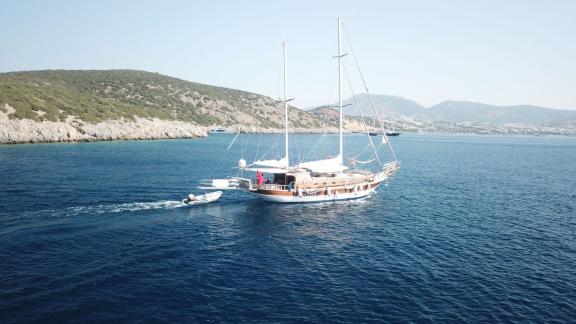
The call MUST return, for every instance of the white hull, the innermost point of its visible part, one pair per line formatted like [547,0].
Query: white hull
[315,198]
[203,199]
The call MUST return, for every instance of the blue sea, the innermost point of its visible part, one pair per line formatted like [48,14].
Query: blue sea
[472,228]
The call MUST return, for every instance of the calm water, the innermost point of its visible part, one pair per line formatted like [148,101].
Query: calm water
[473,228]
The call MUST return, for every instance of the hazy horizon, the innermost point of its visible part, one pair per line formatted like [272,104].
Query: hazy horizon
[505,54]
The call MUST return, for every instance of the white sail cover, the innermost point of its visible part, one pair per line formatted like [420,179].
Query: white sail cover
[327,165]
[278,164]
[267,170]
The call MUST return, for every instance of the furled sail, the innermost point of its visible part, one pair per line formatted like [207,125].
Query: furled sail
[326,165]
[269,166]
[279,164]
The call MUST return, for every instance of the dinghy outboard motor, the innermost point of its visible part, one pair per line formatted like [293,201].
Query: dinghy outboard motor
[189,198]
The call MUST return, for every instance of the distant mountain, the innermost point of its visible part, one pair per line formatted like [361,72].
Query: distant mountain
[331,117]
[463,111]
[385,105]
[457,111]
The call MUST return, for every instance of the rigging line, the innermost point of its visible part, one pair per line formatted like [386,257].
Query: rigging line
[294,148]
[233,141]
[361,152]
[219,164]
[242,147]
[361,114]
[269,150]
[320,141]
[276,154]
[296,144]
[372,158]
[258,147]
[365,162]
[309,154]
[368,92]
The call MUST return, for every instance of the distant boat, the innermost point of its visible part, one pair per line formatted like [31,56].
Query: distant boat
[379,133]
[387,134]
[219,130]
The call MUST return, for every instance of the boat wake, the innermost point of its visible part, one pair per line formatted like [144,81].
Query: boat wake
[127,207]
[39,217]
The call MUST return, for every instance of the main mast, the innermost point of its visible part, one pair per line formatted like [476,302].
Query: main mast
[341,153]
[285,107]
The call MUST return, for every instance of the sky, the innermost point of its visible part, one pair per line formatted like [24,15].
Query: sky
[496,52]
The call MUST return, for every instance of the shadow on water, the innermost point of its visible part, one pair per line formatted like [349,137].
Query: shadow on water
[253,218]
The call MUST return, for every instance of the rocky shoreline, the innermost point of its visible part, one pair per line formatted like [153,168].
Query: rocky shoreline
[19,131]
[23,131]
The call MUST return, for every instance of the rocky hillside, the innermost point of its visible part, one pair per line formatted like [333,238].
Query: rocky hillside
[96,96]
[61,105]
[330,116]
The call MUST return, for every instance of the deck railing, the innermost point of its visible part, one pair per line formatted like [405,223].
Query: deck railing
[272,186]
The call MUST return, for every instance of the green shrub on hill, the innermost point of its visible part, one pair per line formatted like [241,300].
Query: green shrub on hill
[98,95]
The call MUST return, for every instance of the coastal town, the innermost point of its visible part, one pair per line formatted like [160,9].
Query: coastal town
[412,125]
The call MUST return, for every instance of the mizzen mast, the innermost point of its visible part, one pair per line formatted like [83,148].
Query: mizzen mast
[285,106]
[341,151]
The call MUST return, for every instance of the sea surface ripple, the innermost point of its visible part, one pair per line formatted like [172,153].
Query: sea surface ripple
[473,228]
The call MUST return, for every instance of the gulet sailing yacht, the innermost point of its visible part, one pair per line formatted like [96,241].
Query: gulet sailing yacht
[311,181]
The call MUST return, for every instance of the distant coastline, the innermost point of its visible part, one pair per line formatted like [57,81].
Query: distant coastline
[102,105]
[23,131]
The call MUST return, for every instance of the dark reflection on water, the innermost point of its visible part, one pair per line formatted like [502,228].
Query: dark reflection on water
[473,228]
